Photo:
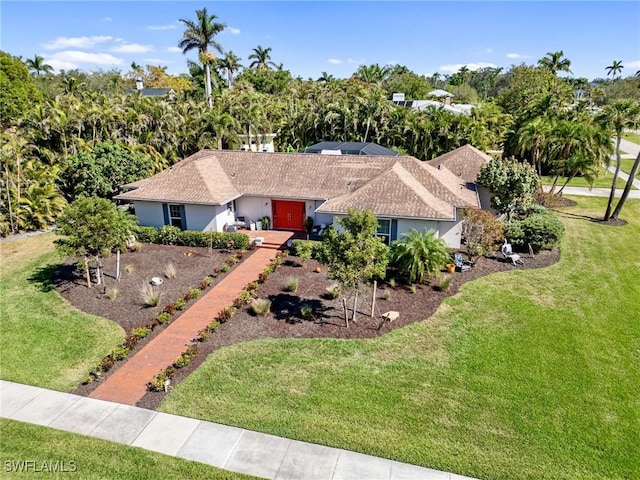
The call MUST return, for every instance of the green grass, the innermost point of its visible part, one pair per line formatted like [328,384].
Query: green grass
[632,137]
[627,163]
[45,341]
[603,180]
[92,458]
[526,374]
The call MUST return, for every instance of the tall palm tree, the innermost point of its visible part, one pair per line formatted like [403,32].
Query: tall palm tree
[374,74]
[261,58]
[200,35]
[614,69]
[533,137]
[37,66]
[326,78]
[634,121]
[555,63]
[230,63]
[618,115]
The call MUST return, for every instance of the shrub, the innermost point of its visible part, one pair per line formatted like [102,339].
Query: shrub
[306,311]
[306,249]
[444,281]
[146,234]
[261,306]
[291,284]
[140,332]
[392,282]
[333,290]
[169,308]
[185,359]
[243,299]
[170,271]
[180,304]
[419,254]
[263,277]
[513,232]
[106,363]
[214,326]
[542,230]
[129,269]
[130,342]
[206,282]
[157,384]
[203,336]
[163,317]
[194,292]
[226,314]
[149,295]
[112,293]
[386,295]
[225,268]
[169,235]
[119,353]
[481,232]
[512,183]
[233,259]
[252,287]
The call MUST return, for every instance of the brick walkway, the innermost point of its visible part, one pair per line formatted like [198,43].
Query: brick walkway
[128,384]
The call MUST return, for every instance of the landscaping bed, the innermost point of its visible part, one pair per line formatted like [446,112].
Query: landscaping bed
[285,319]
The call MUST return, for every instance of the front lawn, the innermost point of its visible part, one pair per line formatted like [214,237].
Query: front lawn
[45,342]
[88,458]
[525,374]
[627,163]
[603,180]
[632,137]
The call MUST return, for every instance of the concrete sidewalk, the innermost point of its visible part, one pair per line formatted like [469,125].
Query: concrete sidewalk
[225,447]
[593,192]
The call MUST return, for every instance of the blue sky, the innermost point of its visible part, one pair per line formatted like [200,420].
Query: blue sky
[336,37]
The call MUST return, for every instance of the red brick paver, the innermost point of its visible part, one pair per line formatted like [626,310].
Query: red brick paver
[128,384]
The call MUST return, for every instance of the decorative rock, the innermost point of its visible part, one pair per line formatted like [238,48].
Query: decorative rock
[391,315]
[156,281]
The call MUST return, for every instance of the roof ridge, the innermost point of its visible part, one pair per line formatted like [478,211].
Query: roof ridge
[406,177]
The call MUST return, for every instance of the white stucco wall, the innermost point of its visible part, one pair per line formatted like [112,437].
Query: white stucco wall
[253,208]
[223,216]
[405,225]
[200,217]
[451,232]
[149,214]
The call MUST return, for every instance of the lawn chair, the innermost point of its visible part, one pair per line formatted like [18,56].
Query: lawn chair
[508,253]
[463,265]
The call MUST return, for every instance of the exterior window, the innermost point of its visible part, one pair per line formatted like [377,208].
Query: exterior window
[175,216]
[384,230]
[230,207]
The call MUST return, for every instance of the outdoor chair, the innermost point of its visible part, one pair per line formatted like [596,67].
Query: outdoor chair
[463,265]
[508,253]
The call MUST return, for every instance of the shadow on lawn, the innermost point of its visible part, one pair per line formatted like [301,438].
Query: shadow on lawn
[52,276]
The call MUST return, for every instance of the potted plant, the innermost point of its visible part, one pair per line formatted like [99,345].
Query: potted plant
[265,222]
[451,267]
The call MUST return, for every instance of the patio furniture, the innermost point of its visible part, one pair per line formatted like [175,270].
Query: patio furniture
[461,264]
[507,251]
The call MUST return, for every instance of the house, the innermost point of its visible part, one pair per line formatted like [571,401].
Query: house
[351,148]
[212,189]
[258,142]
[150,92]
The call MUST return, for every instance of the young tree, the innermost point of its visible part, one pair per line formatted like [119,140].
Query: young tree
[512,184]
[93,227]
[481,232]
[354,255]
[419,254]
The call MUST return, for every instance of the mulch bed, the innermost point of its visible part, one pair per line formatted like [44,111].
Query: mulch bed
[285,319]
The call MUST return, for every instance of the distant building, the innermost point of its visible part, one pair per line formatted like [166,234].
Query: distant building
[351,148]
[151,92]
[257,142]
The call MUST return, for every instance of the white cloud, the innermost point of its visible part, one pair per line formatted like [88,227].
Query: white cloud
[74,57]
[634,64]
[107,19]
[174,49]
[334,61]
[132,48]
[58,65]
[234,31]
[356,62]
[515,56]
[77,42]
[471,66]
[156,61]
[162,27]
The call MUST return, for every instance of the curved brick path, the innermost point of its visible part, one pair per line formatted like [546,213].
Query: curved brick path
[128,384]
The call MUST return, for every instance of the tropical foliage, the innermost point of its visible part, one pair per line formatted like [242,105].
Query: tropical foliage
[419,254]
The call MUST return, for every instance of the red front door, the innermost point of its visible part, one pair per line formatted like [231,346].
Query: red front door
[288,215]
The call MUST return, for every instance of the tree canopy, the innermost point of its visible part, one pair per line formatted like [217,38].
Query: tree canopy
[512,183]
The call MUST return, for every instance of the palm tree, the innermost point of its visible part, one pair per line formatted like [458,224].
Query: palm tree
[615,68]
[261,58]
[618,115]
[326,78]
[533,137]
[374,74]
[230,63]
[200,35]
[37,65]
[555,63]
[419,254]
[633,122]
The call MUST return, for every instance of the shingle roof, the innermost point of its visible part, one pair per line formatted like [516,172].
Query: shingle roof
[464,162]
[394,186]
[353,148]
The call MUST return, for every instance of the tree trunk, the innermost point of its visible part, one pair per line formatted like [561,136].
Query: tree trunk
[627,187]
[373,297]
[86,271]
[207,85]
[569,178]
[346,313]
[118,265]
[607,214]
[355,306]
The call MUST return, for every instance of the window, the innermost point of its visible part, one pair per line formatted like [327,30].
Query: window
[384,230]
[175,216]
[230,207]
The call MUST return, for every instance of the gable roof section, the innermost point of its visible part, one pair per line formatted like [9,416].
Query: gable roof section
[394,186]
[465,162]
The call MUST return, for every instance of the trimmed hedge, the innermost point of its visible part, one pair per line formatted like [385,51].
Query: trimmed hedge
[306,248]
[190,238]
[543,231]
